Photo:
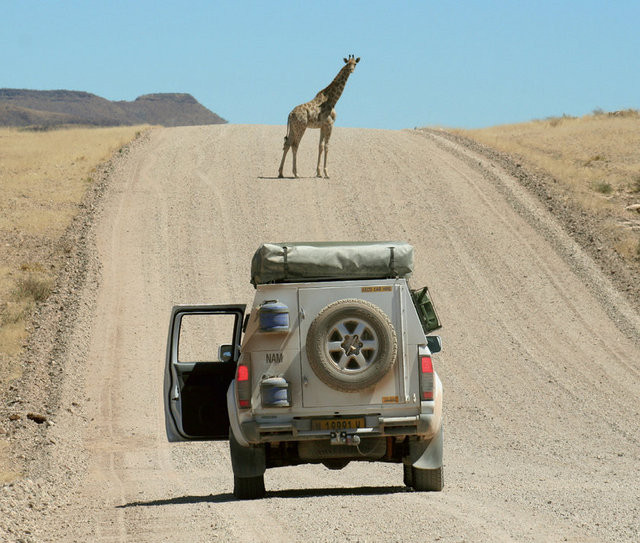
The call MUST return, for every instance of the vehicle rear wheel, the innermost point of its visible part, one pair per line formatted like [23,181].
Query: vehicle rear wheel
[351,345]
[335,463]
[248,488]
[248,465]
[428,480]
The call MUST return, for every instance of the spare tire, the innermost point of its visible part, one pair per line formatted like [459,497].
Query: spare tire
[351,345]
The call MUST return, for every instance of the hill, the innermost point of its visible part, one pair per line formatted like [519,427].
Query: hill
[22,107]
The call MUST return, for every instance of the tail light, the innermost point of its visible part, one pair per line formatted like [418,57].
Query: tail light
[426,378]
[243,386]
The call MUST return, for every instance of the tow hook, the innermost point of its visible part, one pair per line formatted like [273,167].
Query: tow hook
[343,438]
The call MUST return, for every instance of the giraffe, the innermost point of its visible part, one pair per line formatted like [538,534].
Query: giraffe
[318,113]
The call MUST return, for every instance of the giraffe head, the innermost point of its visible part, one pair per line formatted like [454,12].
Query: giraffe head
[351,63]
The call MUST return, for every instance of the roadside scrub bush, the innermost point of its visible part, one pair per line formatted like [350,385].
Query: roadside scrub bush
[629,113]
[595,158]
[603,187]
[556,121]
[33,287]
[30,289]
[13,312]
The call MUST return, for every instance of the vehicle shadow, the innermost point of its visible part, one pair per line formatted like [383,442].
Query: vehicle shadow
[293,493]
[325,492]
[181,500]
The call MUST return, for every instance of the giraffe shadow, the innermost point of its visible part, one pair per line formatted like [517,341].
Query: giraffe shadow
[276,178]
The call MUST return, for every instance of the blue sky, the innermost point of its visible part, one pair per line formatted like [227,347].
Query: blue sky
[455,64]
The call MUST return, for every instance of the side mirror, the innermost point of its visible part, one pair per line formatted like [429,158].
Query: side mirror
[434,343]
[225,353]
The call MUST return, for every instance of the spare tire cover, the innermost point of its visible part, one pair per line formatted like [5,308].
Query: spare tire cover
[351,345]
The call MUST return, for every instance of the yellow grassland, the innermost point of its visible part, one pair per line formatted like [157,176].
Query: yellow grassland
[43,178]
[595,160]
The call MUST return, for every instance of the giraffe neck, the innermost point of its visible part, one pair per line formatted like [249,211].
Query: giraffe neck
[333,92]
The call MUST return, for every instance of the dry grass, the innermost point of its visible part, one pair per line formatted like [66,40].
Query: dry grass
[44,177]
[595,159]
[44,174]
[33,287]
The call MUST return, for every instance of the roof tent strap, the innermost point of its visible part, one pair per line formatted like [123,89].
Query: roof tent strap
[286,263]
[392,263]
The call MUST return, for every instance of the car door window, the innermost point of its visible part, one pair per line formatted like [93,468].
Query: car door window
[201,337]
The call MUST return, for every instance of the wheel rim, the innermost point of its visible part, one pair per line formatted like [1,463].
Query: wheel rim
[352,345]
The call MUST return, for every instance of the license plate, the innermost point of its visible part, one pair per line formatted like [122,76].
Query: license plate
[337,424]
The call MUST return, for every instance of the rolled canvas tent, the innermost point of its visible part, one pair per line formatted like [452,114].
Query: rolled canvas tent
[325,261]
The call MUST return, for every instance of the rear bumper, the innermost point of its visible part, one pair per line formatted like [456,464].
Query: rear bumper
[423,425]
[253,431]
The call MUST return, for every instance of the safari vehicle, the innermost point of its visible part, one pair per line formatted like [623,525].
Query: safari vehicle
[331,365]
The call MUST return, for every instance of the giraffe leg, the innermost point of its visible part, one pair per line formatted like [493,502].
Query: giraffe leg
[325,133]
[296,135]
[284,155]
[294,150]
[320,149]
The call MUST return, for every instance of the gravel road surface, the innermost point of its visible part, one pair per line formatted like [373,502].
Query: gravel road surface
[540,366]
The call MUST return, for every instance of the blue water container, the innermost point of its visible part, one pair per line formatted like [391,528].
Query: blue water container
[275,392]
[274,316]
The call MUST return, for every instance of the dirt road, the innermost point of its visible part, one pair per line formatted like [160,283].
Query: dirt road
[541,359]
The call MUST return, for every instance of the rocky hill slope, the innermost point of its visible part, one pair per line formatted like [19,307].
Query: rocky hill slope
[21,107]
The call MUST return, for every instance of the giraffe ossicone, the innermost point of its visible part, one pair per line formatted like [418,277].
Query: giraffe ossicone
[318,113]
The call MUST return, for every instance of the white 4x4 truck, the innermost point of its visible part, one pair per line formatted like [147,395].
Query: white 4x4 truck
[331,365]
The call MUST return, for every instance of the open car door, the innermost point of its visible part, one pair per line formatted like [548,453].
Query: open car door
[202,351]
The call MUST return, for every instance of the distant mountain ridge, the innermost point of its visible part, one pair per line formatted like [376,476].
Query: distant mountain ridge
[23,107]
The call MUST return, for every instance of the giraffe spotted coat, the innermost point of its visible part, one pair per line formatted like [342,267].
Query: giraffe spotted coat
[318,113]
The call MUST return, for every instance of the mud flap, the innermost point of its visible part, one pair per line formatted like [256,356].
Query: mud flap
[246,461]
[427,454]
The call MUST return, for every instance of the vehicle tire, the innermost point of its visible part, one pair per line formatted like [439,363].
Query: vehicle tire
[408,474]
[248,464]
[428,480]
[351,345]
[248,488]
[335,463]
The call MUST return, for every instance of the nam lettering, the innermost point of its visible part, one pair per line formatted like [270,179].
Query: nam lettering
[274,358]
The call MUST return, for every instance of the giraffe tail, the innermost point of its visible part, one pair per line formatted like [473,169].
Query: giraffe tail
[287,142]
